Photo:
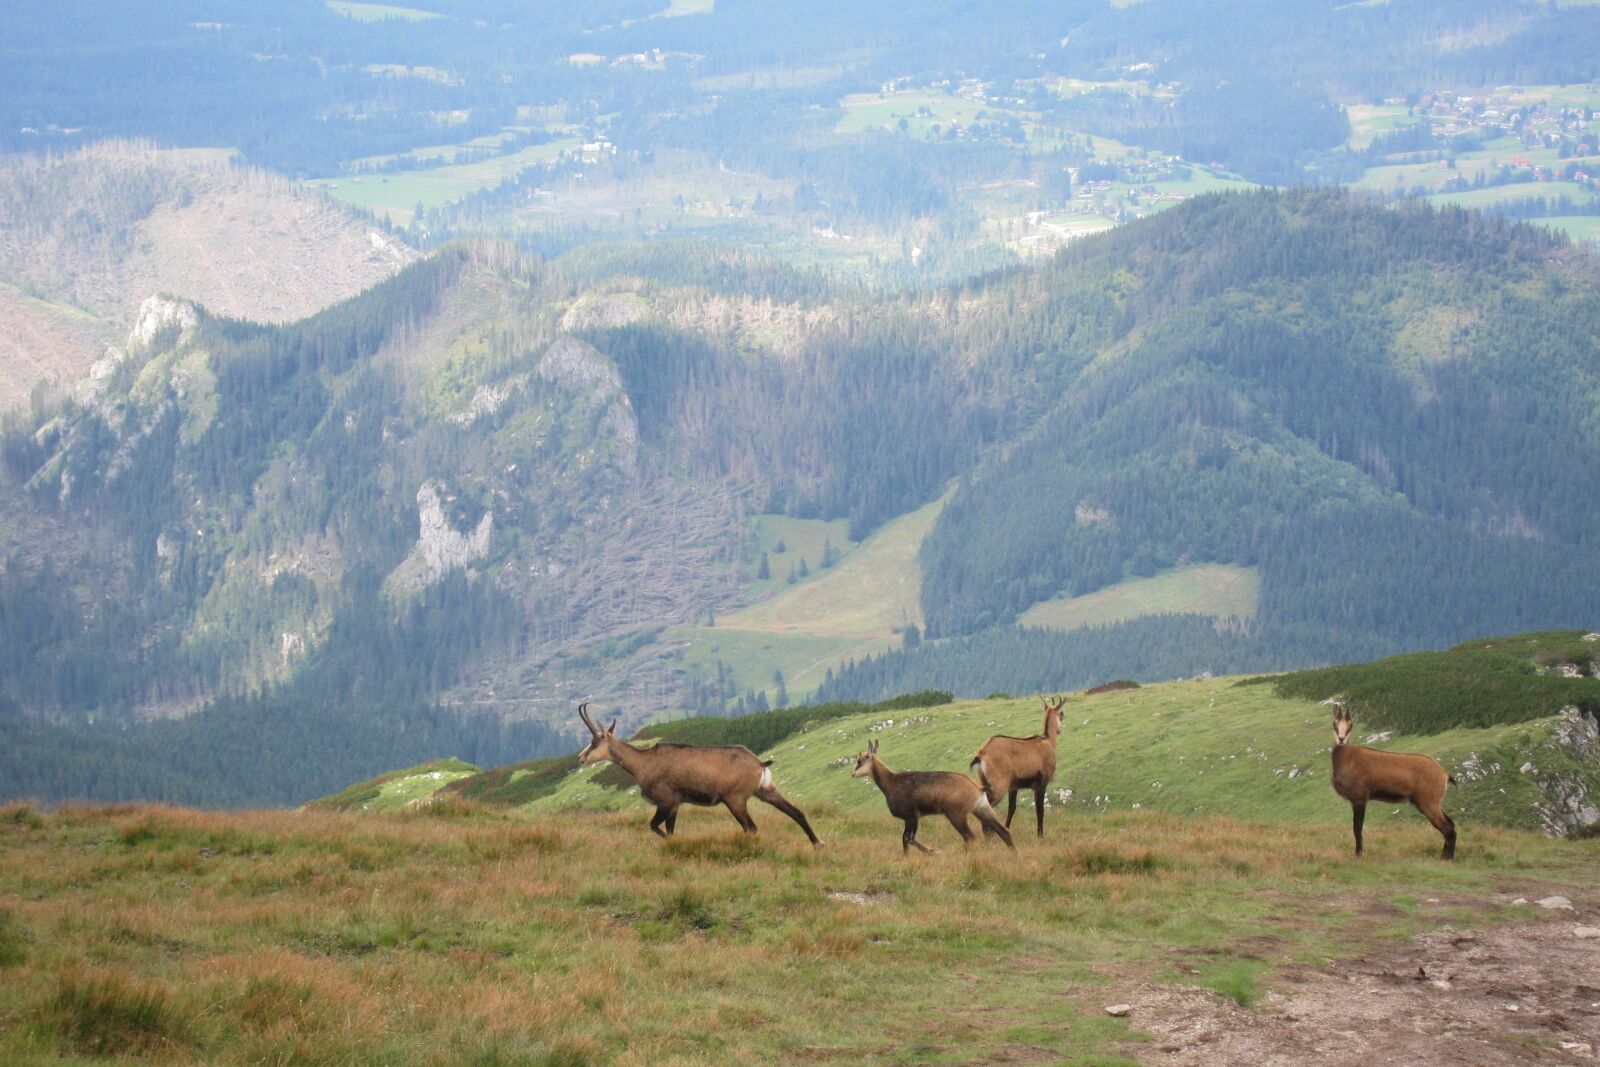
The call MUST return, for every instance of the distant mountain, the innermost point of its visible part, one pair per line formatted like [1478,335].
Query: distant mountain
[496,485]
[87,237]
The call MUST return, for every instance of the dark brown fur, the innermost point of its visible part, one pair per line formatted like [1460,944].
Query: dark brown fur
[912,794]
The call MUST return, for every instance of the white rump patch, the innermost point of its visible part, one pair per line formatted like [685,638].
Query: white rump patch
[766,778]
[982,804]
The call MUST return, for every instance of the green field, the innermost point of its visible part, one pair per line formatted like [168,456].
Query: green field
[801,539]
[1577,227]
[398,790]
[395,196]
[374,12]
[1499,194]
[1367,121]
[872,590]
[853,610]
[1216,589]
[753,655]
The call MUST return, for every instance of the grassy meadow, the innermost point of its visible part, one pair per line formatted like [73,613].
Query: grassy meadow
[463,935]
[395,196]
[1221,590]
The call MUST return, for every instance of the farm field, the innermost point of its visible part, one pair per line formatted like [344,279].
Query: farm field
[1577,227]
[395,196]
[374,12]
[1367,121]
[1216,589]
[1500,194]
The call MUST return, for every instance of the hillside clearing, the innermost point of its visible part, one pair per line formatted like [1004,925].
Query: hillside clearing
[1220,590]
[870,593]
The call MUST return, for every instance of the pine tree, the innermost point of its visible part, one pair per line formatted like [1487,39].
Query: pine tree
[764,571]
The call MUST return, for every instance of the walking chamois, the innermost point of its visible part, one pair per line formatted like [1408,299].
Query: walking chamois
[1008,764]
[916,793]
[1363,774]
[671,775]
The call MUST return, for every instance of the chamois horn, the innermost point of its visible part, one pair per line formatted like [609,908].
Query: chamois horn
[583,713]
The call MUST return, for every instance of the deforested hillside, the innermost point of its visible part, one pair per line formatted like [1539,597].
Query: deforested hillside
[494,485]
[95,232]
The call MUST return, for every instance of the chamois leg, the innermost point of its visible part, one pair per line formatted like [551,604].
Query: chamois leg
[909,838]
[665,815]
[1434,813]
[1358,815]
[1011,807]
[958,819]
[1038,806]
[740,811]
[991,823]
[672,820]
[771,796]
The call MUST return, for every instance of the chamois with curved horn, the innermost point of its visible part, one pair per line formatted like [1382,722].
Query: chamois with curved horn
[1009,764]
[1363,774]
[672,775]
[915,793]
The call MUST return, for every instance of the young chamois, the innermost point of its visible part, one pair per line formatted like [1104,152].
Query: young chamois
[1008,764]
[916,793]
[672,775]
[1363,774]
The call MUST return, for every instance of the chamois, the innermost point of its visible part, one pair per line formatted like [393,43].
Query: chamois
[1363,774]
[1008,764]
[915,793]
[670,775]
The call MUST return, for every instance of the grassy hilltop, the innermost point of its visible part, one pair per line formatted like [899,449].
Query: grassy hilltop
[1506,716]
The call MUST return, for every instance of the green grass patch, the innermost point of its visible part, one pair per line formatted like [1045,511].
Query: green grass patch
[395,196]
[1216,589]
[1577,227]
[377,12]
[393,790]
[873,589]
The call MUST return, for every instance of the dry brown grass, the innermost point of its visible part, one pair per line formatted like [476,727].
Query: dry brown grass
[466,936]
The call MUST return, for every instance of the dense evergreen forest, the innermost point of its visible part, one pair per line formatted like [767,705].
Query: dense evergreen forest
[488,484]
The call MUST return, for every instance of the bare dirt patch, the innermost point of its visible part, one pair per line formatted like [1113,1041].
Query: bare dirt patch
[1526,992]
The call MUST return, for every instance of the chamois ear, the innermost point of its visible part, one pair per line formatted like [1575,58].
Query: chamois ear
[872,748]
[611,731]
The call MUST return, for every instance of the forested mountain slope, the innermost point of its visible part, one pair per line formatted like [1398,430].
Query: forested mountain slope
[498,483]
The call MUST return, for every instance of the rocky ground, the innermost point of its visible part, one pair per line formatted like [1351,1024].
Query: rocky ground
[1522,992]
